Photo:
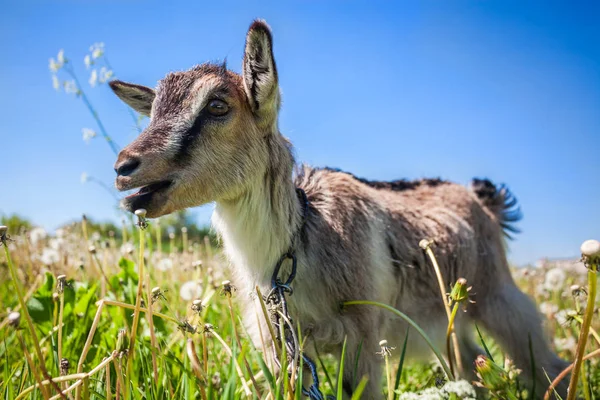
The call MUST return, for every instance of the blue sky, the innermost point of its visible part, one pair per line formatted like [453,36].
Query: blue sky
[508,90]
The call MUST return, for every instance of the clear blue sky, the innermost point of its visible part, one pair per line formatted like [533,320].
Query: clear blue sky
[508,90]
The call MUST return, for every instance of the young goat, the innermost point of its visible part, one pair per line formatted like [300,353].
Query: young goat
[213,136]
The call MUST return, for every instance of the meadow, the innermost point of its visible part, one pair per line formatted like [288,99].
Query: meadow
[92,332]
[146,310]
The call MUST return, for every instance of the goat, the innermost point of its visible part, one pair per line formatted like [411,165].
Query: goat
[213,136]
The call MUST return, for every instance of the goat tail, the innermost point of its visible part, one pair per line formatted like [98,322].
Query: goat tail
[501,202]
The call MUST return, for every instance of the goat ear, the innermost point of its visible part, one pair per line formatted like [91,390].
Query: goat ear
[260,73]
[138,97]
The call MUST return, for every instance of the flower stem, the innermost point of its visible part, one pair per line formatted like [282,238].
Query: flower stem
[585,329]
[412,323]
[92,111]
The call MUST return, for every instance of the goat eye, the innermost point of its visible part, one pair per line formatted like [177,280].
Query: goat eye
[218,107]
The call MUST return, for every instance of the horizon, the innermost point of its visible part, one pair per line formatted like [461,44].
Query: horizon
[502,90]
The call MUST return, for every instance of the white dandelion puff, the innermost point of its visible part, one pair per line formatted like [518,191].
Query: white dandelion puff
[71,87]
[105,74]
[165,264]
[53,65]
[555,278]
[36,235]
[88,134]
[93,78]
[97,50]
[84,177]
[87,60]
[55,82]
[49,256]
[61,57]
[190,290]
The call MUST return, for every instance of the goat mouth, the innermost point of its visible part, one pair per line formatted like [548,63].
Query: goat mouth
[150,189]
[150,197]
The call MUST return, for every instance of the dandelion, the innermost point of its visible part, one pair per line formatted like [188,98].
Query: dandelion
[14,319]
[165,264]
[565,344]
[88,134]
[84,177]
[548,309]
[157,294]
[93,78]
[55,83]
[53,65]
[190,290]
[227,288]
[197,306]
[64,366]
[49,256]
[554,279]
[97,50]
[37,235]
[105,74]
[590,251]
[127,248]
[61,283]
[87,60]
[185,326]
[216,380]
[71,87]
[61,57]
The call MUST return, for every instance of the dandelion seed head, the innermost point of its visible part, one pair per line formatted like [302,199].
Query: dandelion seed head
[61,57]
[190,290]
[37,235]
[88,134]
[55,83]
[93,78]
[554,279]
[165,264]
[14,319]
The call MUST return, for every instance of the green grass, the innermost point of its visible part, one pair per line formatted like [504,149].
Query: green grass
[196,354]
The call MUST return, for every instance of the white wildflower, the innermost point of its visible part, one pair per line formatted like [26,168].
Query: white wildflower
[87,60]
[127,248]
[563,317]
[60,233]
[548,309]
[93,78]
[55,82]
[555,278]
[462,389]
[105,74]
[53,65]
[565,344]
[84,177]
[36,235]
[56,243]
[49,256]
[97,50]
[190,290]
[427,394]
[61,57]
[88,134]
[71,87]
[165,264]
[96,237]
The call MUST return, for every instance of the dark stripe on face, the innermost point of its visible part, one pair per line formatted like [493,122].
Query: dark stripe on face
[189,137]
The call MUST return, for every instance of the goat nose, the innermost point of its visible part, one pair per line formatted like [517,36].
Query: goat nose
[127,167]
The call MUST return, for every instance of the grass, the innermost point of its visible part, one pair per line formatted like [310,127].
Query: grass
[189,341]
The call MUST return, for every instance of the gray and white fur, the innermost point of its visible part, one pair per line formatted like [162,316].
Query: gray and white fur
[213,137]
